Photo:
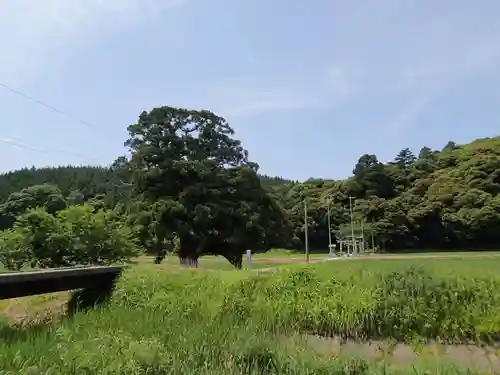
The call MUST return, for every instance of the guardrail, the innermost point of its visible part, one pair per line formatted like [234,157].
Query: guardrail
[94,280]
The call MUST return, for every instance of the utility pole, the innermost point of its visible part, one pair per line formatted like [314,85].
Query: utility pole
[306,232]
[362,236]
[373,235]
[329,231]
[354,251]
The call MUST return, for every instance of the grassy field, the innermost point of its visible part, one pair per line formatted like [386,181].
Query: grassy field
[299,319]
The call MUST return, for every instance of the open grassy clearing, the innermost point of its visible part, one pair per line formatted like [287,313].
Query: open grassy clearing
[280,257]
[437,255]
[447,253]
[283,253]
[217,263]
[168,320]
[464,266]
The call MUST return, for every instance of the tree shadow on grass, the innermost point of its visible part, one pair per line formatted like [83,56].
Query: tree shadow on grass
[10,334]
[80,301]
[86,299]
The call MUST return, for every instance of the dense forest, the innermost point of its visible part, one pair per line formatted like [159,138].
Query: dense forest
[190,185]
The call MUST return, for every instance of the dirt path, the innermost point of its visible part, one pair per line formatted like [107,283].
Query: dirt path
[295,260]
[378,257]
[466,356]
[426,256]
[286,260]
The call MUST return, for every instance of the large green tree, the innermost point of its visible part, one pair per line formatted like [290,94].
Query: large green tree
[203,187]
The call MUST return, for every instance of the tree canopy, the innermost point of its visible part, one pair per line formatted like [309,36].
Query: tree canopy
[73,236]
[202,188]
[189,186]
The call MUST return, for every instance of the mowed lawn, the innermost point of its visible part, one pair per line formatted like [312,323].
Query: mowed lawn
[464,265]
[215,263]
[273,258]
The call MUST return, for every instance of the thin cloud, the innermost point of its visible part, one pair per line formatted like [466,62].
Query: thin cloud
[407,116]
[434,74]
[248,97]
[33,33]
[339,81]
[267,102]
[335,73]
[6,139]
[454,65]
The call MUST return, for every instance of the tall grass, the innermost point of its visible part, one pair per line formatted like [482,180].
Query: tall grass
[194,322]
[403,305]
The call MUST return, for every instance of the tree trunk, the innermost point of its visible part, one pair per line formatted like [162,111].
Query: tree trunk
[188,261]
[188,251]
[160,256]
[235,259]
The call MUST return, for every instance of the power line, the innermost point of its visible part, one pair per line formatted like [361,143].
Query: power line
[13,142]
[18,143]
[10,141]
[54,109]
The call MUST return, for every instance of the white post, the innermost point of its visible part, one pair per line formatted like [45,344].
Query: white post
[249,258]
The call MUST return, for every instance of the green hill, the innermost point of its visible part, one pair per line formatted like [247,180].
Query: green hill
[435,199]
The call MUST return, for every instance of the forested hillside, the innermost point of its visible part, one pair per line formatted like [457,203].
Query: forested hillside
[432,199]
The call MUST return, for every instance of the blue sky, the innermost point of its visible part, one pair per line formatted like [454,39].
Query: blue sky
[307,86]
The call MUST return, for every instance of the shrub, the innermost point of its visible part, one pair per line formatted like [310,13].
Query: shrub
[13,254]
[45,239]
[75,236]
[97,238]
